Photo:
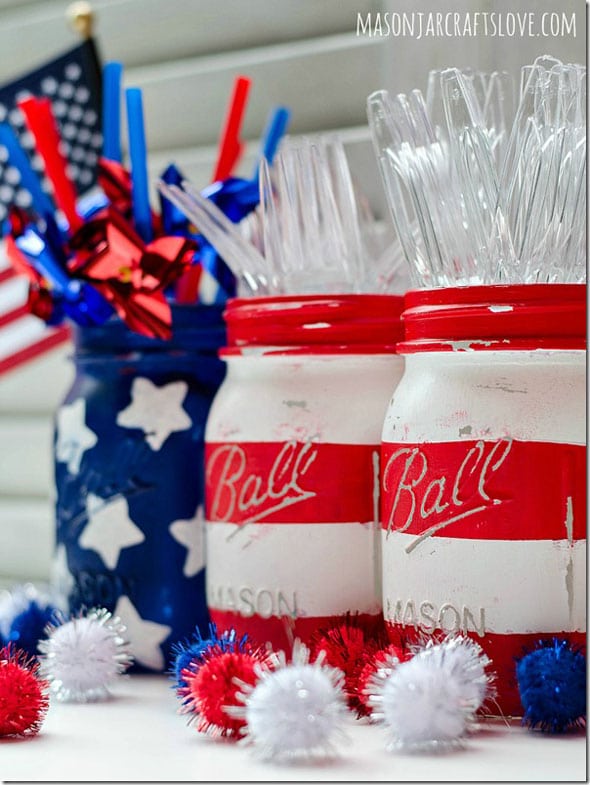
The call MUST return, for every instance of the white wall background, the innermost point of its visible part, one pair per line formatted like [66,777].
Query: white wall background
[185,54]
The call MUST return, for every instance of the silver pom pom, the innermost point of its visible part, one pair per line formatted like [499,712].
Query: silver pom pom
[83,656]
[466,660]
[296,710]
[429,702]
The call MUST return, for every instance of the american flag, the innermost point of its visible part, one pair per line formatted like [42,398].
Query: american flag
[22,335]
[72,82]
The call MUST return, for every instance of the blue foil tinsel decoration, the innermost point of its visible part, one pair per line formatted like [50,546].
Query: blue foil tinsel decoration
[552,686]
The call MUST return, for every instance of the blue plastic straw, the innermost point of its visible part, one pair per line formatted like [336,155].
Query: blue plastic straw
[142,216]
[275,129]
[29,181]
[111,111]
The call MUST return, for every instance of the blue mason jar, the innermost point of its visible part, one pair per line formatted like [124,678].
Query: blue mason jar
[129,477]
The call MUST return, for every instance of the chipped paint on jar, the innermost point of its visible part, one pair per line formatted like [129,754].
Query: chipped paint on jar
[483,471]
[292,462]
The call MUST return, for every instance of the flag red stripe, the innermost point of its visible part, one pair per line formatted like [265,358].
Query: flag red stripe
[53,338]
[6,274]
[12,316]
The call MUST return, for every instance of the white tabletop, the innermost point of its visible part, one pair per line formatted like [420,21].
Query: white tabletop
[137,735]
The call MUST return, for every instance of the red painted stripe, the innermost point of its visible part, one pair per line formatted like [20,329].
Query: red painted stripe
[280,632]
[504,651]
[53,338]
[290,482]
[485,490]
[287,351]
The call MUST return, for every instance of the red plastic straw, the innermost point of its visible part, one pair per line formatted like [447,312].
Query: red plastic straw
[41,123]
[230,147]
[187,287]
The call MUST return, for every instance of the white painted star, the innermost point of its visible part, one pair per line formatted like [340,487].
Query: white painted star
[191,534]
[109,529]
[62,580]
[156,410]
[145,637]
[74,437]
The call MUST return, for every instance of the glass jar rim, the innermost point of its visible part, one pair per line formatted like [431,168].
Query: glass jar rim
[495,317]
[314,324]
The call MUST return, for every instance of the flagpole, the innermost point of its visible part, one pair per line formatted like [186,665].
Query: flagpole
[80,16]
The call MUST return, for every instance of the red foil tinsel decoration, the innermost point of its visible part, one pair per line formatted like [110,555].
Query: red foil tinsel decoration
[23,695]
[130,275]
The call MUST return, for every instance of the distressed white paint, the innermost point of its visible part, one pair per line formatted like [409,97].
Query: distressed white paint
[327,566]
[332,568]
[521,584]
[335,399]
[537,396]
[465,395]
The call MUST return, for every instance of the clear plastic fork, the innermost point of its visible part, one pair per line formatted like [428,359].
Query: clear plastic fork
[241,257]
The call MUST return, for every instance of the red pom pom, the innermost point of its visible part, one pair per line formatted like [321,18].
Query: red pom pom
[383,658]
[346,645]
[23,696]
[212,688]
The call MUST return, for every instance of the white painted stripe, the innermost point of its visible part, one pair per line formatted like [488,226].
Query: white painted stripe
[451,396]
[21,333]
[13,294]
[522,585]
[4,263]
[328,567]
[339,399]
[37,387]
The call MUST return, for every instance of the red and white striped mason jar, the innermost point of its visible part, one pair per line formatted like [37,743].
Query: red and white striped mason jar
[292,454]
[483,471]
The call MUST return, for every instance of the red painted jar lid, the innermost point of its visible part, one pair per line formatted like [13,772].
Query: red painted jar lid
[315,324]
[480,318]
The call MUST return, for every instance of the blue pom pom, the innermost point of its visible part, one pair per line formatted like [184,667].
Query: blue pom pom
[184,652]
[188,654]
[552,685]
[28,627]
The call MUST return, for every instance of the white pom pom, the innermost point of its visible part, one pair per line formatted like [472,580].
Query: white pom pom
[467,662]
[297,709]
[81,657]
[429,702]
